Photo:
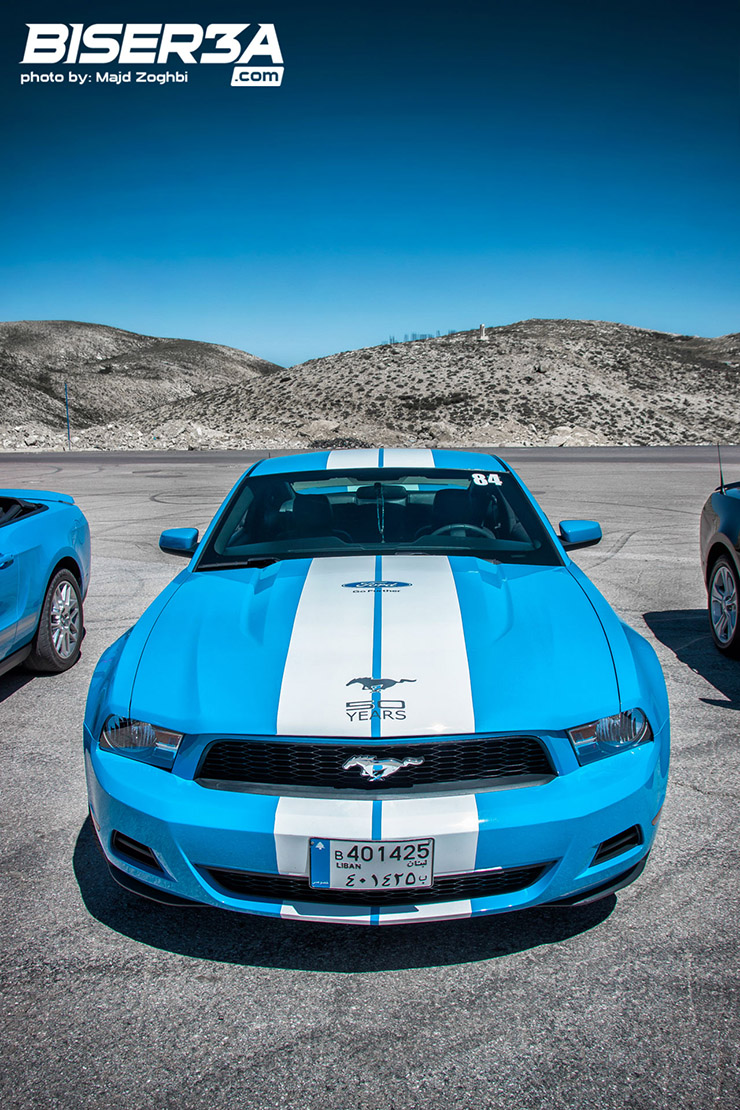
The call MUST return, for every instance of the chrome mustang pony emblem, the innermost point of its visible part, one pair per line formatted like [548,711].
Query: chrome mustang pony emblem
[377,769]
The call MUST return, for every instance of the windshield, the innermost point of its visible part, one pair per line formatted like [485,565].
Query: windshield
[388,511]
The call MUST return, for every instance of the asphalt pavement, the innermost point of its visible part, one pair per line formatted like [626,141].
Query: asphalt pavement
[629,1004]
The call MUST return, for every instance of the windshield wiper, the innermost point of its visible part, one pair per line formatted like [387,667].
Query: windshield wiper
[239,564]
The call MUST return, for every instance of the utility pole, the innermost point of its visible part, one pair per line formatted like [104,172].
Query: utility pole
[66,404]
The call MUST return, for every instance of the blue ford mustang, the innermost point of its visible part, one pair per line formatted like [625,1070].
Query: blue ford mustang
[44,573]
[380,692]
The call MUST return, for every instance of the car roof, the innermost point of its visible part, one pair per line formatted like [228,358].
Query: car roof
[375,458]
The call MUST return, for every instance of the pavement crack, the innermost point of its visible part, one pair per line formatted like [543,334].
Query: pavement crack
[705,793]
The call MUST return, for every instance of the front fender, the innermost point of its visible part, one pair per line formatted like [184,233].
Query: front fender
[639,674]
[650,693]
[102,698]
[727,547]
[719,526]
[112,682]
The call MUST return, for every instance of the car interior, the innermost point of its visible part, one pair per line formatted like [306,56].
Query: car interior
[12,509]
[387,511]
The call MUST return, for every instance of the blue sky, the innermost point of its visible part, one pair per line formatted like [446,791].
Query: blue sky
[423,167]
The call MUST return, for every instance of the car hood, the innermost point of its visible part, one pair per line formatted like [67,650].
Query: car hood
[371,647]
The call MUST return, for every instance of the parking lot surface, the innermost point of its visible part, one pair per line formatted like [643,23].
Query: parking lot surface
[632,1003]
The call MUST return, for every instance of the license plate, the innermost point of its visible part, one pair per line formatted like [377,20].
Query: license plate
[369,865]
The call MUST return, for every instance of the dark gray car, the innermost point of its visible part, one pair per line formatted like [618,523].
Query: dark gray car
[720,559]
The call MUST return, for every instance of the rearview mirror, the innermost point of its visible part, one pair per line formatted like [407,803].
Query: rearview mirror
[179,541]
[579,533]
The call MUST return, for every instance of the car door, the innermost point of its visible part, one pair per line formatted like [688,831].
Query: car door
[8,580]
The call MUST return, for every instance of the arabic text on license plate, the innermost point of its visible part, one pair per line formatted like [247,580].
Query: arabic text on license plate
[369,865]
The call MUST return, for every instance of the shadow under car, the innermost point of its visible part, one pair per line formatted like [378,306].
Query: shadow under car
[227,937]
[686,633]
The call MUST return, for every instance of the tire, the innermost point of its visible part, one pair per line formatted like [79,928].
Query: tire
[56,645]
[723,593]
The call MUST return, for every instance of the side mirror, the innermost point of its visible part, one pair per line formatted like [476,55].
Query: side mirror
[179,541]
[579,533]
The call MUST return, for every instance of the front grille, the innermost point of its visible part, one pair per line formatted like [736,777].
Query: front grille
[449,888]
[618,844]
[312,763]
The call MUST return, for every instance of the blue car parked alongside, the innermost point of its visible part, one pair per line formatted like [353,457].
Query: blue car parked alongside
[380,692]
[44,574]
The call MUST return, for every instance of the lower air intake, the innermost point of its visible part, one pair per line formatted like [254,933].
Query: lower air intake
[618,844]
[448,888]
[133,851]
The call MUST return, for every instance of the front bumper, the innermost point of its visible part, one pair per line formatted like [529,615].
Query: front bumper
[557,825]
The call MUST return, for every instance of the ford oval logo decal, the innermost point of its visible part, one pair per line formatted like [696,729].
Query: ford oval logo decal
[374,585]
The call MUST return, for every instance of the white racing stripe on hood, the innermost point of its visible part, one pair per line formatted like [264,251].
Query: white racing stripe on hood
[331,644]
[423,642]
[355,457]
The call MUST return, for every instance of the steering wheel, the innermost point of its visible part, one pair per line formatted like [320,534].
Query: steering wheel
[455,529]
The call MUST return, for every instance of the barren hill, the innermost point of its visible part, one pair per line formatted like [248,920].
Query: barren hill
[112,374]
[533,382]
[538,381]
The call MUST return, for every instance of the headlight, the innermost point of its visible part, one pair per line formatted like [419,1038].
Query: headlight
[140,740]
[610,735]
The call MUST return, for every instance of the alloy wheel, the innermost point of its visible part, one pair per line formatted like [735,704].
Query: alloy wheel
[723,605]
[65,620]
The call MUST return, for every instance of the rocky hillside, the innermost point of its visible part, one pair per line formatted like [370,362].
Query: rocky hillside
[112,375]
[534,382]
